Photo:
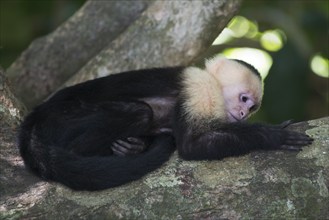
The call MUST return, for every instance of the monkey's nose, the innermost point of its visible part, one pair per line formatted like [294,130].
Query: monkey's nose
[242,114]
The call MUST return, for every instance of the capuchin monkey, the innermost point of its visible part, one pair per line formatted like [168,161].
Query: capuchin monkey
[110,131]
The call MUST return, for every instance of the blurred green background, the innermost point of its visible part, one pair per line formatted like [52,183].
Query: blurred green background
[286,40]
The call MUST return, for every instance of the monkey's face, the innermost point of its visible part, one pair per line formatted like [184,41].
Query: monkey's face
[242,89]
[240,102]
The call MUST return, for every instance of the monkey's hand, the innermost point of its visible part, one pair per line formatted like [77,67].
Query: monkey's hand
[129,146]
[293,141]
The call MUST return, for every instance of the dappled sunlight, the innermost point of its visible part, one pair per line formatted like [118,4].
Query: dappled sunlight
[320,66]
[22,201]
[269,40]
[272,40]
[239,27]
[224,37]
[261,60]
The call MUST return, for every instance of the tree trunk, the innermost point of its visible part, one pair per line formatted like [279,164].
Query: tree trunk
[51,60]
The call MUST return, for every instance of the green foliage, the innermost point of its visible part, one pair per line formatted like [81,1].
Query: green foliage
[21,21]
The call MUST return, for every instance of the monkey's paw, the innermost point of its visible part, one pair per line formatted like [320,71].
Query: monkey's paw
[295,141]
[128,146]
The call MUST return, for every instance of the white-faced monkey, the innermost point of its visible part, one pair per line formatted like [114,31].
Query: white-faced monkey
[109,131]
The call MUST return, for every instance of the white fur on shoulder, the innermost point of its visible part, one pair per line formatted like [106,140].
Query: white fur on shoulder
[203,95]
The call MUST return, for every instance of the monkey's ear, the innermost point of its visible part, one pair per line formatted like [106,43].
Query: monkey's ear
[213,64]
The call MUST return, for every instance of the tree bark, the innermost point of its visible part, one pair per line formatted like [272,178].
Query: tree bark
[51,60]
[11,110]
[260,185]
[168,33]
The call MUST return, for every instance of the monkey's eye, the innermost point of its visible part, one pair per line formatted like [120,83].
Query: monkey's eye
[244,98]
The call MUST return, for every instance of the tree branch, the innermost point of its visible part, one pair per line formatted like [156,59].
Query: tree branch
[168,33]
[260,185]
[51,60]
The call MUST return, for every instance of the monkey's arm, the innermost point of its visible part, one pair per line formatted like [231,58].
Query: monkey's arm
[236,139]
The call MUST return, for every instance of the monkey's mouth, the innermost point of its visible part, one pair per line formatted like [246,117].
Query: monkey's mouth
[232,118]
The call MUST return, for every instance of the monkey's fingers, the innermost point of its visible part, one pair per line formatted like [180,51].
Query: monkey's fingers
[291,148]
[298,138]
[136,144]
[135,141]
[117,150]
[295,141]
[299,142]
[286,123]
[129,146]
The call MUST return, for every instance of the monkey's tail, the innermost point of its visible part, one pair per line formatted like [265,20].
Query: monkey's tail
[89,173]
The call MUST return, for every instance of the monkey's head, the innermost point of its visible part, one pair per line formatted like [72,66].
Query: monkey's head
[241,85]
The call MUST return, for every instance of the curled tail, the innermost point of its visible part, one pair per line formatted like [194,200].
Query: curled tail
[88,173]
